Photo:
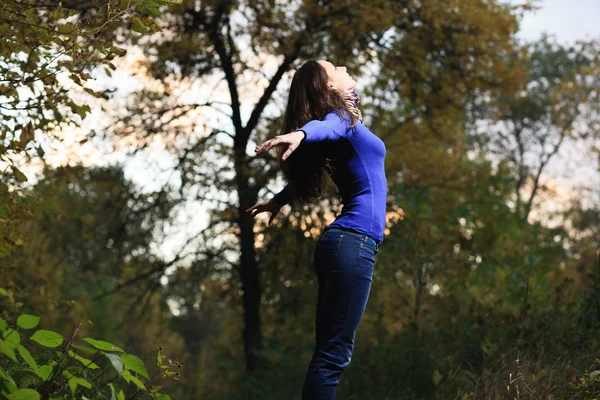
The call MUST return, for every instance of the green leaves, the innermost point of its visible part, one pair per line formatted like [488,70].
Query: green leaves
[75,381]
[134,363]
[44,42]
[116,393]
[27,357]
[26,321]
[86,363]
[125,364]
[47,338]
[132,379]
[102,345]
[24,394]
[44,371]
[7,349]
[84,348]
[12,336]
[116,362]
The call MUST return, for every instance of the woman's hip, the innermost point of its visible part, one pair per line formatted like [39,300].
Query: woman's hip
[348,252]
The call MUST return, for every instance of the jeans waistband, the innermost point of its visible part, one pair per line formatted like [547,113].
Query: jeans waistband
[371,242]
[366,239]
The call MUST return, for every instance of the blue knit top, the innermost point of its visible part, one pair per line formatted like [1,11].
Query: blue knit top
[358,172]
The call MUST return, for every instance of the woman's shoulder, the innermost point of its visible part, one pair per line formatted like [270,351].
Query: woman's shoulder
[339,114]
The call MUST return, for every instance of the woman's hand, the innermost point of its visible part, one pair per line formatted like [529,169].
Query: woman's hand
[291,140]
[271,206]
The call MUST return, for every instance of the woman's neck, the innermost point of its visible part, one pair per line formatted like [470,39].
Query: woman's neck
[352,101]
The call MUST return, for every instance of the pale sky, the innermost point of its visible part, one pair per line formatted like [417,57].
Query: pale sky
[569,19]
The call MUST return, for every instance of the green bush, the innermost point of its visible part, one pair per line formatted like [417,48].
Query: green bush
[31,368]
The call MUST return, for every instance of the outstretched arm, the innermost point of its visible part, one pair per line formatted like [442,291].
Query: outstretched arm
[285,196]
[332,127]
[274,205]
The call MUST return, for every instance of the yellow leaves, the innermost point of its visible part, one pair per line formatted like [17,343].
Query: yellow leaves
[57,13]
[26,135]
[19,175]
[68,28]
[96,93]
[528,5]
[31,16]
[144,25]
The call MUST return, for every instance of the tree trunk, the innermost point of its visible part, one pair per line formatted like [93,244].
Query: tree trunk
[248,266]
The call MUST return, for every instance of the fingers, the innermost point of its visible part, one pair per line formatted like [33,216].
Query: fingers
[257,209]
[287,153]
[273,215]
[258,148]
[260,208]
[265,146]
[269,144]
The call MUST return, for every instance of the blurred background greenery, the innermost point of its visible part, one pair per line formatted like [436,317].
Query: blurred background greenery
[127,161]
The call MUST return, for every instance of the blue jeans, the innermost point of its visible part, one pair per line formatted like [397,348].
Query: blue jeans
[344,262]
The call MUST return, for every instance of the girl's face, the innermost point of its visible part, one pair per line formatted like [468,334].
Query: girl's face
[338,77]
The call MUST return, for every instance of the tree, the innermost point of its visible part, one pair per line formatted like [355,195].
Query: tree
[556,101]
[94,230]
[228,46]
[49,47]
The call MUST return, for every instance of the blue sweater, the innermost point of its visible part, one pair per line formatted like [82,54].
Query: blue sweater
[358,164]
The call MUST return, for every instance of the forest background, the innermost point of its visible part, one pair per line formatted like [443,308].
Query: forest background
[126,151]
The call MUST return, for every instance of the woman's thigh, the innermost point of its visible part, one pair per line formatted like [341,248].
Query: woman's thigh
[345,270]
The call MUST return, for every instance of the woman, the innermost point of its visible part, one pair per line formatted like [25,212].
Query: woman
[323,133]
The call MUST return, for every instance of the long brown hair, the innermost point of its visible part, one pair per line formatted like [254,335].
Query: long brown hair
[310,98]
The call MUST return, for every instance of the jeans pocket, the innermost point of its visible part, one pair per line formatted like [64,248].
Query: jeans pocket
[329,245]
[366,262]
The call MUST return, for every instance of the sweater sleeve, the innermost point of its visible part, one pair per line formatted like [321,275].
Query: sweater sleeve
[332,127]
[284,197]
